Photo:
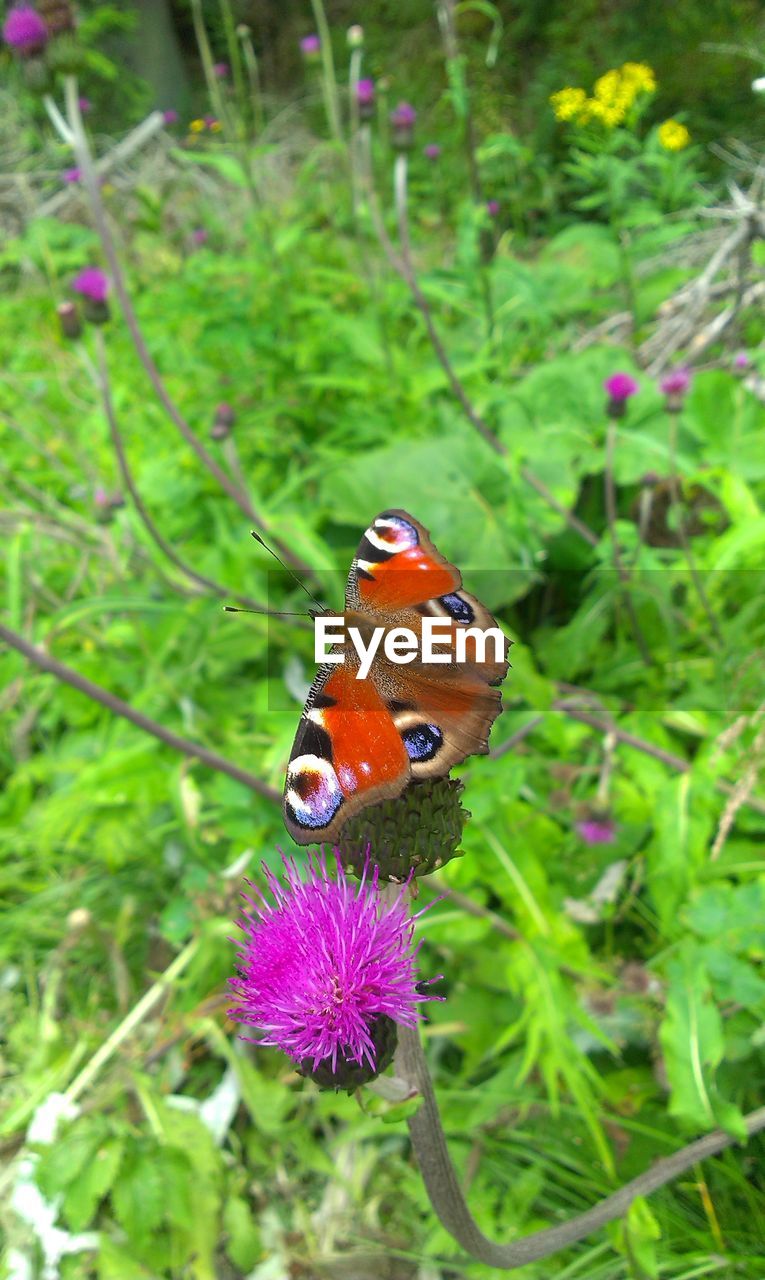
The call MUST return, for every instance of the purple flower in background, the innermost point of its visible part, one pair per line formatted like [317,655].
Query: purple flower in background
[72,175]
[741,360]
[619,387]
[597,829]
[210,120]
[101,498]
[221,70]
[675,386]
[92,283]
[402,119]
[24,31]
[310,46]
[365,92]
[322,964]
[170,116]
[85,105]
[492,208]
[403,116]
[676,383]
[432,151]
[200,235]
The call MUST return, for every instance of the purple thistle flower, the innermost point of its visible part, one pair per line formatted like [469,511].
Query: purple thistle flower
[403,116]
[741,360]
[676,383]
[432,151]
[221,70]
[310,45]
[101,497]
[675,386]
[200,235]
[24,31]
[323,963]
[492,208]
[597,830]
[210,120]
[72,175]
[365,92]
[619,387]
[92,283]
[85,105]
[170,116]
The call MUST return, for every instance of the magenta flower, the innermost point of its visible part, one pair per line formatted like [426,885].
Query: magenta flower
[432,151]
[620,386]
[403,116]
[741,360]
[170,116]
[92,283]
[597,830]
[24,31]
[200,235]
[72,175]
[310,46]
[210,120]
[676,383]
[323,964]
[221,70]
[365,93]
[492,208]
[85,105]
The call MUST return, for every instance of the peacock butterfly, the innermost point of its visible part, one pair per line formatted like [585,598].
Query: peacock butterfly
[361,741]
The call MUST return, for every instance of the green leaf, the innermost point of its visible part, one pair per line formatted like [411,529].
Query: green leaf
[139,1195]
[92,1184]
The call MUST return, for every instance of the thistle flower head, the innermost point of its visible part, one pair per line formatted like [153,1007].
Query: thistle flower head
[322,963]
[403,116]
[310,45]
[620,386]
[221,70]
[432,151]
[170,116]
[92,283]
[492,208]
[741,360]
[675,386]
[24,30]
[365,92]
[85,105]
[597,829]
[72,175]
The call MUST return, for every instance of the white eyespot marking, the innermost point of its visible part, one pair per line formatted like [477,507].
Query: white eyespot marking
[313,794]
[316,716]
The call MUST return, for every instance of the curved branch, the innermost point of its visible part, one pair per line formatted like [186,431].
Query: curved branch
[440,1178]
[109,700]
[208,584]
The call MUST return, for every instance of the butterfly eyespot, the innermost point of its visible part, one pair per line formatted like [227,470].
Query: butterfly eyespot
[312,795]
[422,741]
[458,608]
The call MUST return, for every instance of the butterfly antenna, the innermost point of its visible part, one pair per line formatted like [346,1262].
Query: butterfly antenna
[286,568]
[266,613]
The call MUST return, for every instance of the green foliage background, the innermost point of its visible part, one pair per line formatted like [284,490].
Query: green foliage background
[618,1011]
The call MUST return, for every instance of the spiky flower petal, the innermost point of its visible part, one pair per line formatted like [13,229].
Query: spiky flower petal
[322,963]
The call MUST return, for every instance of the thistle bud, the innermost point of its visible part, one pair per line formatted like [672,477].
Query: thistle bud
[413,835]
[403,119]
[69,320]
[355,36]
[222,422]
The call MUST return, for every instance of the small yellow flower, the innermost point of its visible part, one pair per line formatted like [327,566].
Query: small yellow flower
[567,103]
[197,126]
[673,135]
[107,189]
[640,76]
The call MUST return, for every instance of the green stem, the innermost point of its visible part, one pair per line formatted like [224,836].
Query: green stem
[328,77]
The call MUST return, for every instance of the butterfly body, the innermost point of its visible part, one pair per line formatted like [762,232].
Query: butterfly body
[362,740]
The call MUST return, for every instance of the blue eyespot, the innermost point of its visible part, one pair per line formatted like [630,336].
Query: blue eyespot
[422,741]
[460,610]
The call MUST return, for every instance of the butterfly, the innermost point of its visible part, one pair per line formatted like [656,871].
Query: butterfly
[361,741]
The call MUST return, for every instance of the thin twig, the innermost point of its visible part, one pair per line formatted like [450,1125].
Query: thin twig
[624,577]
[445,1193]
[402,265]
[208,584]
[109,700]
[73,132]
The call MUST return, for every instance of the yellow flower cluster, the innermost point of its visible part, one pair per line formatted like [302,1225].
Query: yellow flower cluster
[673,135]
[612,97]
